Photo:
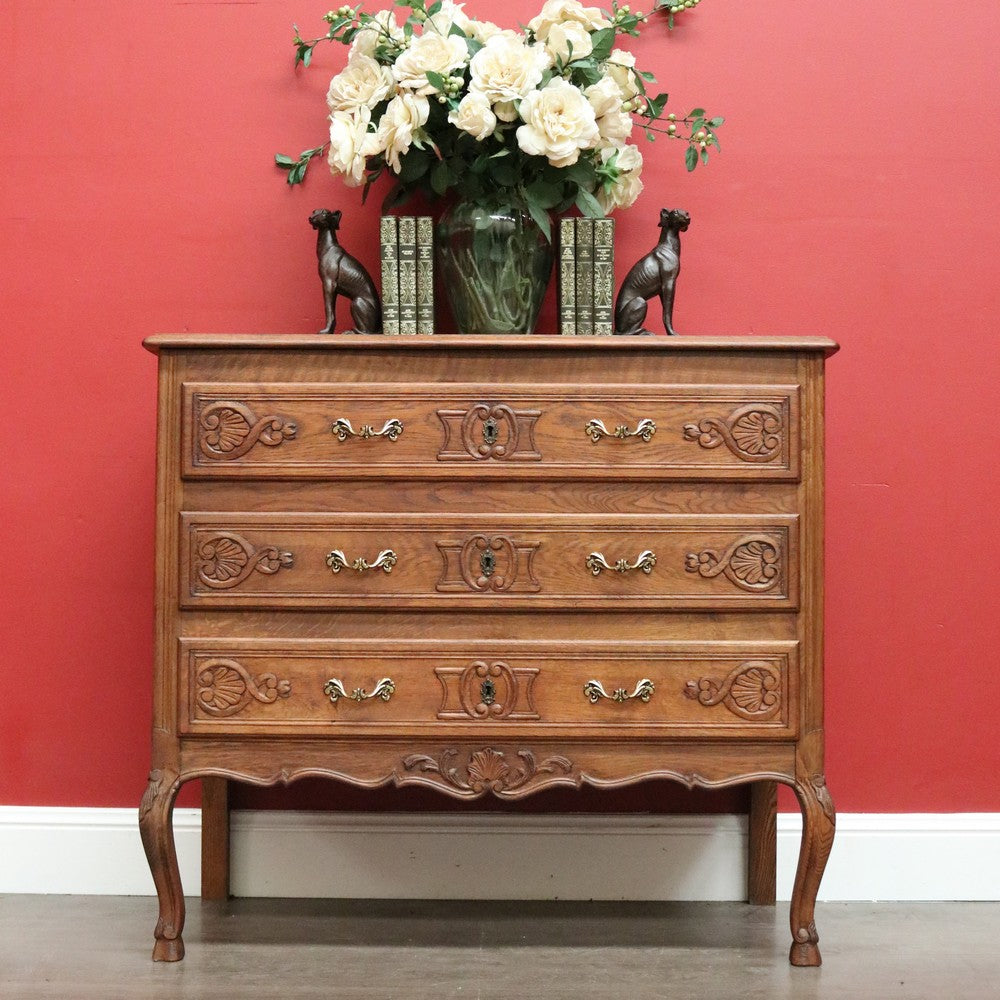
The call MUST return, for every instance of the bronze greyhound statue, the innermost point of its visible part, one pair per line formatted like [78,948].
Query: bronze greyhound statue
[655,274]
[341,274]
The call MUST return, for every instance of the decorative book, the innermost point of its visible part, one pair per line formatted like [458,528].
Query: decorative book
[586,276]
[389,239]
[425,274]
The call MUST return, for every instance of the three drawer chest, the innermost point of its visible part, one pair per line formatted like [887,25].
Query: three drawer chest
[489,566]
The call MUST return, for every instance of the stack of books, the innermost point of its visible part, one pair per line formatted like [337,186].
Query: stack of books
[407,273]
[586,276]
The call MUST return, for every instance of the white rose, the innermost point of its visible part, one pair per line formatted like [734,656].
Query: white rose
[604,96]
[405,115]
[449,14]
[558,123]
[505,69]
[605,99]
[382,29]
[431,52]
[627,189]
[351,143]
[561,11]
[363,83]
[474,115]
[483,31]
[562,38]
[621,68]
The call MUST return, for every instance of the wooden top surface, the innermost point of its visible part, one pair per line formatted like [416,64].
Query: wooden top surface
[327,342]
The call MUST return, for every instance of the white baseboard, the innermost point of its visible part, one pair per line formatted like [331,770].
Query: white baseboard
[954,856]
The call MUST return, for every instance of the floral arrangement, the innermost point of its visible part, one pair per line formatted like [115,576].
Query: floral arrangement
[538,118]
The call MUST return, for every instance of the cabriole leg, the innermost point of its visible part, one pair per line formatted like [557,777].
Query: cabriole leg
[818,823]
[156,814]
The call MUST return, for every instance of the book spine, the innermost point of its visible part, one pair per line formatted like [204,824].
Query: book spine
[604,276]
[425,274]
[567,277]
[407,274]
[389,239]
[584,276]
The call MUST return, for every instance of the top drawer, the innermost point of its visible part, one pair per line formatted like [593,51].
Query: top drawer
[401,430]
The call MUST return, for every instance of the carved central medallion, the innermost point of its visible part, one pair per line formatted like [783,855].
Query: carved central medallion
[488,770]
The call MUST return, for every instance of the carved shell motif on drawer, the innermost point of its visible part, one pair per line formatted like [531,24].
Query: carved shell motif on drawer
[227,430]
[753,433]
[225,687]
[226,559]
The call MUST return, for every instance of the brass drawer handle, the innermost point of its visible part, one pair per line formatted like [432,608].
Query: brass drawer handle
[596,430]
[343,429]
[594,691]
[644,560]
[384,689]
[384,561]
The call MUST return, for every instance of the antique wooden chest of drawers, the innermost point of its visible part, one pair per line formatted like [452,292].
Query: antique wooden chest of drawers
[489,565]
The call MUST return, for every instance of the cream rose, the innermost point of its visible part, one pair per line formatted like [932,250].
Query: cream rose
[562,11]
[474,115]
[363,83]
[449,14]
[483,31]
[620,66]
[430,52]
[351,143]
[382,28]
[628,187]
[558,122]
[605,99]
[506,69]
[569,41]
[406,114]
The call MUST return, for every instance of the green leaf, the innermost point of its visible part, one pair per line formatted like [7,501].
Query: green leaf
[413,166]
[696,113]
[691,156]
[285,162]
[716,122]
[436,80]
[542,218]
[440,177]
[307,56]
[588,204]
[544,195]
[603,42]
[704,156]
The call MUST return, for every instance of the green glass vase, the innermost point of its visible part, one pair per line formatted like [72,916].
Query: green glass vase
[495,264]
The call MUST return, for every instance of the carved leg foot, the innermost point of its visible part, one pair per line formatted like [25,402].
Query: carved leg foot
[818,823]
[156,814]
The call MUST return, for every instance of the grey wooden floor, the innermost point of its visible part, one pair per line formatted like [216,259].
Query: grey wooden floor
[81,947]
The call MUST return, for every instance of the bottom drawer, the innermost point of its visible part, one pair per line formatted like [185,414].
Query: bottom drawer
[329,687]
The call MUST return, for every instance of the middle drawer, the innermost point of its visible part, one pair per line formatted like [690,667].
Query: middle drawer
[706,561]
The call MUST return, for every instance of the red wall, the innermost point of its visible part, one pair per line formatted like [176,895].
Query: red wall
[856,197]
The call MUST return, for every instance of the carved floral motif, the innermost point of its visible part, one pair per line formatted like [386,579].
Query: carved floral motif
[226,687]
[488,770]
[753,433]
[226,559]
[752,563]
[228,430]
[752,690]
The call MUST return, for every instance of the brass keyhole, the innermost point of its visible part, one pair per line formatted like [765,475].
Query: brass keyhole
[487,563]
[488,692]
[491,431]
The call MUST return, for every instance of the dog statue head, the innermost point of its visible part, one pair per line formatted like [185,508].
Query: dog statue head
[323,218]
[674,218]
